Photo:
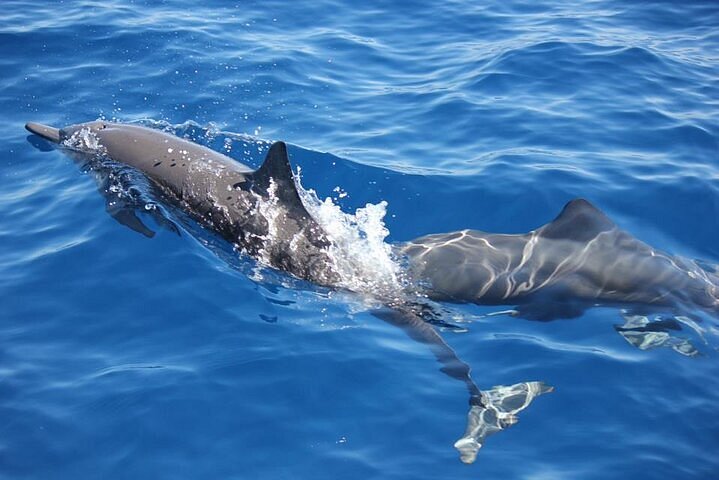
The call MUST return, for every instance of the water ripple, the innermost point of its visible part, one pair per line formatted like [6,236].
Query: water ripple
[171,357]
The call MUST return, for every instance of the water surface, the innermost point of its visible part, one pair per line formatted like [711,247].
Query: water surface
[128,357]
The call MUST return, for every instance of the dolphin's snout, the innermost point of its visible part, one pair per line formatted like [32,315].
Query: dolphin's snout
[48,133]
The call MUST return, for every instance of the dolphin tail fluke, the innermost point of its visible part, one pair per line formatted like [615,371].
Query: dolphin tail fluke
[48,133]
[496,412]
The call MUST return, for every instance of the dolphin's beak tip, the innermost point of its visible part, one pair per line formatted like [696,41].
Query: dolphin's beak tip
[48,133]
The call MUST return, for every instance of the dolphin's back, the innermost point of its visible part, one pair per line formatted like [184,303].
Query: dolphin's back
[169,160]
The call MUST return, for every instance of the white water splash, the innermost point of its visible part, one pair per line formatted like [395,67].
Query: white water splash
[269,210]
[361,258]
[84,140]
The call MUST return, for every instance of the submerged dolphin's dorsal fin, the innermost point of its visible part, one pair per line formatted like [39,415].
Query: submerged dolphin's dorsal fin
[277,168]
[579,220]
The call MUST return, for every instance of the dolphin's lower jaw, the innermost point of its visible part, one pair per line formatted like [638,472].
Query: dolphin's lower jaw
[48,133]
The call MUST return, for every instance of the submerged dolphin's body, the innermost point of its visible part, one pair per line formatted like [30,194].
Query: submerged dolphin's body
[581,256]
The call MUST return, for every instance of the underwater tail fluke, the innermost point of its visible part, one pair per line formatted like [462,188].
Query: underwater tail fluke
[48,133]
[497,411]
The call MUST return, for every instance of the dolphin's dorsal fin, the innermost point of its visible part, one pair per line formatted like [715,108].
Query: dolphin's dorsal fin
[579,220]
[276,167]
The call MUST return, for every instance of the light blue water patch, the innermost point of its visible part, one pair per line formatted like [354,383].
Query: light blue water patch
[171,357]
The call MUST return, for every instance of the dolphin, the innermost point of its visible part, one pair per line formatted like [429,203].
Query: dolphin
[580,258]
[259,211]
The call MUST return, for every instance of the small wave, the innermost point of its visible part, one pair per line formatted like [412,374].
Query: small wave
[137,367]
[361,257]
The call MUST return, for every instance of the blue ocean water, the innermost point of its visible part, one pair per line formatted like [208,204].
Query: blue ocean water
[128,357]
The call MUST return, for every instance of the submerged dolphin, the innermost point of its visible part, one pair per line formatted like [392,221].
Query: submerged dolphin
[579,258]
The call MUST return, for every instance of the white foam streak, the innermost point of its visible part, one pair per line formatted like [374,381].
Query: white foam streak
[269,210]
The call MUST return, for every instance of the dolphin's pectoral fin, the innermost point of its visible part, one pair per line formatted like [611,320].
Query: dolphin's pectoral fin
[645,334]
[128,205]
[128,217]
[161,220]
[496,411]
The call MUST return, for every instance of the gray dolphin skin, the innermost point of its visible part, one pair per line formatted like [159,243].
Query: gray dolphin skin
[219,192]
[579,259]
